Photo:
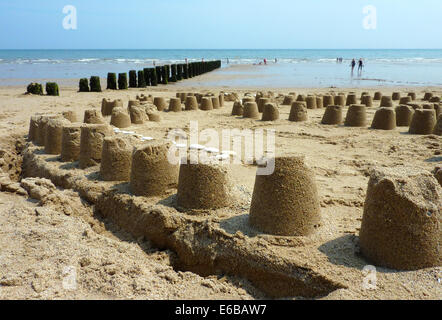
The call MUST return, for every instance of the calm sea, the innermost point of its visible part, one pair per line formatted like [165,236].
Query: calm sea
[292,68]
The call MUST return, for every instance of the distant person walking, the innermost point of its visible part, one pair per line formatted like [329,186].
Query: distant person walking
[353,65]
[360,66]
[265,61]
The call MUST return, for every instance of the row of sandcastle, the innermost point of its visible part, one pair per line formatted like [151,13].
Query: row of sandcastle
[421,118]
[402,213]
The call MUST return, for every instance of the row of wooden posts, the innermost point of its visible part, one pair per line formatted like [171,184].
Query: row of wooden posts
[150,76]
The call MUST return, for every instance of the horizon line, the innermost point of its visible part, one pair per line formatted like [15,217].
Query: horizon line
[219,49]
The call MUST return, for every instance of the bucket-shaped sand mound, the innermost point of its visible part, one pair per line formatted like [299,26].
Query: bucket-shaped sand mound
[262,102]
[204,186]
[288,100]
[237,109]
[54,132]
[120,118]
[401,224]
[206,104]
[138,114]
[91,145]
[328,100]
[93,116]
[271,112]
[339,100]
[423,122]
[298,112]
[351,99]
[396,96]
[311,102]
[412,95]
[404,114]
[386,101]
[286,203]
[384,119]
[34,128]
[116,159]
[356,116]
[332,115]
[251,110]
[438,127]
[377,96]
[107,106]
[319,102]
[160,103]
[70,142]
[405,100]
[42,124]
[367,100]
[175,105]
[151,173]
[215,102]
[428,96]
[191,103]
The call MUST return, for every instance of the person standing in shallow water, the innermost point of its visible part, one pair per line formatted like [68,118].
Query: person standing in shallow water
[353,65]
[360,66]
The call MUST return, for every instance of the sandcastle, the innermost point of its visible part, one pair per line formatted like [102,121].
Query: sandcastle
[152,174]
[137,115]
[160,103]
[175,105]
[91,145]
[251,110]
[116,159]
[70,142]
[107,106]
[423,122]
[311,102]
[384,119]
[53,137]
[204,186]
[120,118]
[70,115]
[215,102]
[332,115]
[92,116]
[412,95]
[405,100]
[319,102]
[438,127]
[237,109]
[271,112]
[396,96]
[339,100]
[428,96]
[206,104]
[434,99]
[262,102]
[328,100]
[356,116]
[401,221]
[41,132]
[386,101]
[301,98]
[34,128]
[404,114]
[377,96]
[286,202]
[288,100]
[298,112]
[221,99]
[153,116]
[367,100]
[351,99]
[191,103]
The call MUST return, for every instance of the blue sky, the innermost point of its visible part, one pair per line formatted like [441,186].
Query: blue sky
[226,24]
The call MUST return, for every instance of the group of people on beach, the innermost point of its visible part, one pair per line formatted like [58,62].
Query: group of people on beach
[353,65]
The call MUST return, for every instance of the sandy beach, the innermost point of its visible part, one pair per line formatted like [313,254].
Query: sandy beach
[41,237]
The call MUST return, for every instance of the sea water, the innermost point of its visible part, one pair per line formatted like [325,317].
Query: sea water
[285,68]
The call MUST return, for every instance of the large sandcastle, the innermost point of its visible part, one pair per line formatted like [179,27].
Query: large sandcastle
[423,122]
[332,115]
[93,116]
[404,115]
[237,109]
[356,116]
[298,112]
[116,159]
[191,103]
[91,145]
[204,186]
[251,110]
[384,119]
[286,202]
[120,118]
[151,172]
[401,224]
[270,113]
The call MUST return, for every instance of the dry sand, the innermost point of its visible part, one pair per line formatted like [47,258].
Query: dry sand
[39,238]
